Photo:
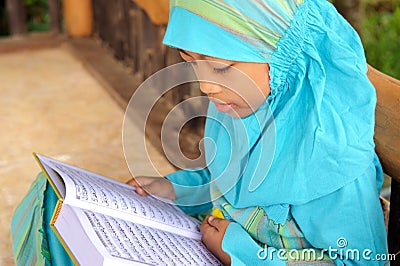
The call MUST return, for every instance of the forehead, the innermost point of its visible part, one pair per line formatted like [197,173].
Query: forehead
[196,56]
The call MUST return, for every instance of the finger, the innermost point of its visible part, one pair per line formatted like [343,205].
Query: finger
[138,188]
[218,223]
[141,191]
[136,182]
[149,183]
[160,187]
[143,181]
[206,219]
[152,187]
[132,182]
[208,234]
[204,226]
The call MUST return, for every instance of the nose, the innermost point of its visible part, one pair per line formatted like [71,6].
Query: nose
[209,88]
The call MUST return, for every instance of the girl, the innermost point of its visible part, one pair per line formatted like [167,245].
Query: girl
[303,189]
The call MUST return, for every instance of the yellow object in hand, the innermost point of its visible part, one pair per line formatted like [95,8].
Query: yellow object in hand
[217,213]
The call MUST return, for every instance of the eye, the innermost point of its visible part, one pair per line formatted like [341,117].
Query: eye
[189,63]
[221,70]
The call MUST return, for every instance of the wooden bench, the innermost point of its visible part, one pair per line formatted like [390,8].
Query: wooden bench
[387,139]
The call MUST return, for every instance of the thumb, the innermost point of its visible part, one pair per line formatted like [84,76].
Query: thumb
[144,180]
[214,221]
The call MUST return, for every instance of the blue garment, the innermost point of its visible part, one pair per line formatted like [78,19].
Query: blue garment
[34,242]
[245,31]
[324,170]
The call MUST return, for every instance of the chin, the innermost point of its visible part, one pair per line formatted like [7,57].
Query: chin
[240,112]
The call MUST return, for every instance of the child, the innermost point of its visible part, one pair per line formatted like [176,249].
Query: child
[304,188]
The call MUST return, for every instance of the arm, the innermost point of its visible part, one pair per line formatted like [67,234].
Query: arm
[213,230]
[192,190]
[243,250]
[345,226]
[350,218]
[188,188]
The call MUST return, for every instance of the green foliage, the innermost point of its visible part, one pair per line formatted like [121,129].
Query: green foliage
[37,15]
[3,19]
[381,36]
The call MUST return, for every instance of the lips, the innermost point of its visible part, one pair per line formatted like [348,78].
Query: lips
[223,107]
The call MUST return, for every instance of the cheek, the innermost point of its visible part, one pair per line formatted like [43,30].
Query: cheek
[263,81]
[265,89]
[256,96]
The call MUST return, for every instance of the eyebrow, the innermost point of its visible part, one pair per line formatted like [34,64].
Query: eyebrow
[205,57]
[202,57]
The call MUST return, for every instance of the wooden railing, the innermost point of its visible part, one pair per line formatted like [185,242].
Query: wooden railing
[135,37]
[387,139]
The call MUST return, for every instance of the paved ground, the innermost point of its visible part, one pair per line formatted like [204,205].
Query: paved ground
[50,104]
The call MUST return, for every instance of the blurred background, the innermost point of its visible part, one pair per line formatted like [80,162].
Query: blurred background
[377,21]
[69,67]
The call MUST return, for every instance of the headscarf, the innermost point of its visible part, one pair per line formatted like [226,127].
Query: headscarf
[321,100]
[245,31]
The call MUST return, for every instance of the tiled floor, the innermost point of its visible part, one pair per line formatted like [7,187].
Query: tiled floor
[50,104]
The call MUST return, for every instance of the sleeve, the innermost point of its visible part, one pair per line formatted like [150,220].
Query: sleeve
[192,189]
[243,250]
[347,223]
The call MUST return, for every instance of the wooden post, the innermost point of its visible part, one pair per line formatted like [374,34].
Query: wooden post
[78,16]
[16,17]
[394,220]
[120,41]
[133,40]
[55,15]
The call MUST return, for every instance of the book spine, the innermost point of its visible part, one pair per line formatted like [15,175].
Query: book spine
[53,221]
[49,179]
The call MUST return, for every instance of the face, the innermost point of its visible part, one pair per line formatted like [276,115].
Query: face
[235,88]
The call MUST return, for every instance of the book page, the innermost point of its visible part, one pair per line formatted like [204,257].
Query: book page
[54,179]
[76,236]
[91,191]
[134,242]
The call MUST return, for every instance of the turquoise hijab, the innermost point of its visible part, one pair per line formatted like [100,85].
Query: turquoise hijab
[321,102]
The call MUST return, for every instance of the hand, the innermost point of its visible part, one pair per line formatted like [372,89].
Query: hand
[213,230]
[157,186]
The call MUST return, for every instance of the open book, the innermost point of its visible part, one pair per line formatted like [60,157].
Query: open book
[101,221]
